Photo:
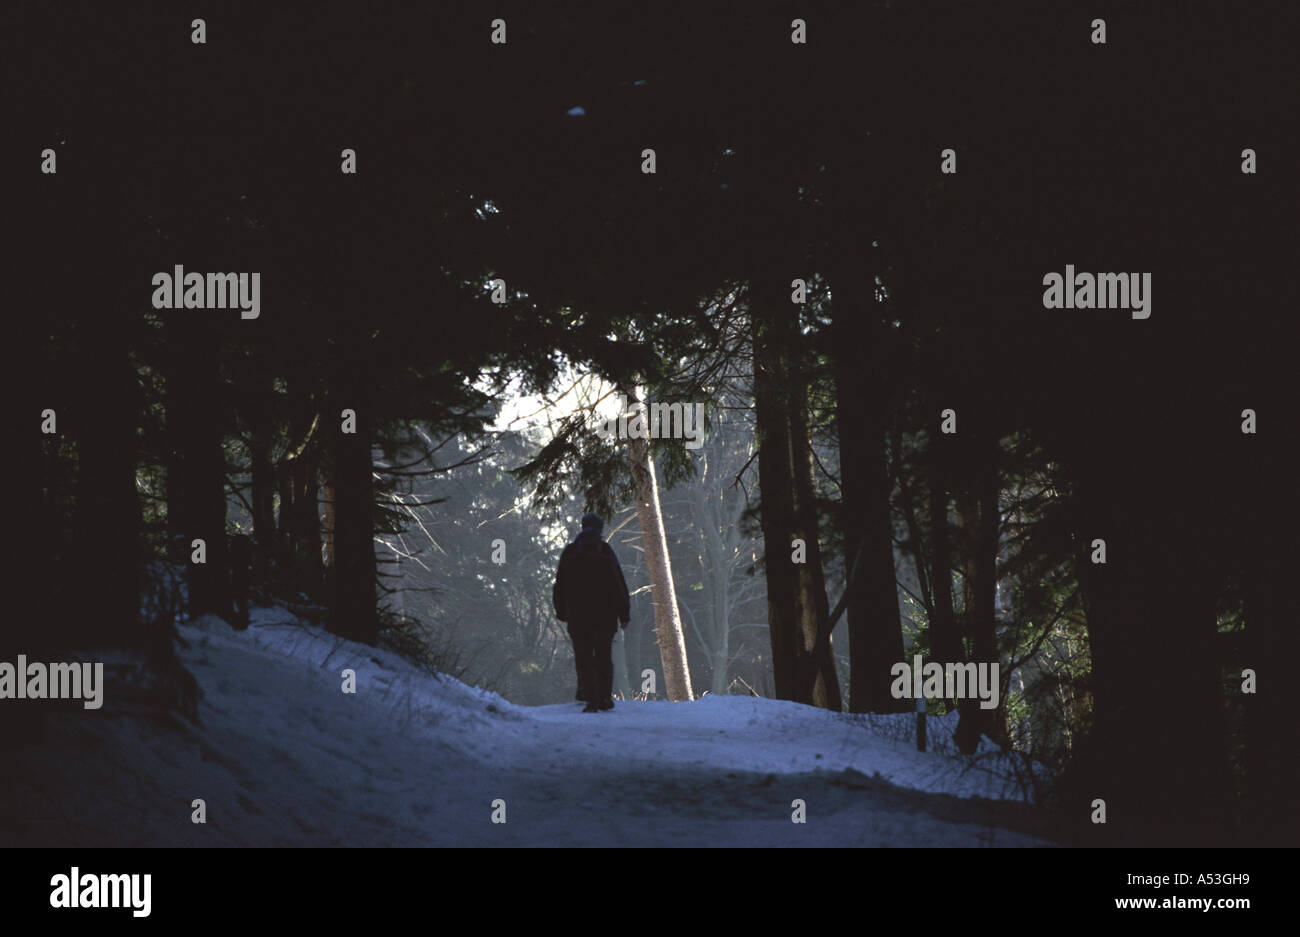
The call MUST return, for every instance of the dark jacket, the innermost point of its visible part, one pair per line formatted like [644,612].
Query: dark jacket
[589,586]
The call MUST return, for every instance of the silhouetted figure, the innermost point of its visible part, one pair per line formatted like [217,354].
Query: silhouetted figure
[591,597]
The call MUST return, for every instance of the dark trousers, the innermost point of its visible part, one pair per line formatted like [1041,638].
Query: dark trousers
[592,655]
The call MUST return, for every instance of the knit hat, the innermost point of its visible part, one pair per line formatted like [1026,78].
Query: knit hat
[592,522]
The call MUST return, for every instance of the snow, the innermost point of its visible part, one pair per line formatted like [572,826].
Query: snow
[281,756]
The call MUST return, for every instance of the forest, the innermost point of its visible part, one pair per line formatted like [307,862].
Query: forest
[451,265]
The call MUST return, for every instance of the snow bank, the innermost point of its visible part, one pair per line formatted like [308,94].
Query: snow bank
[281,756]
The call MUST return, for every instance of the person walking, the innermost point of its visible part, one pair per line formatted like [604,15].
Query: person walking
[591,598]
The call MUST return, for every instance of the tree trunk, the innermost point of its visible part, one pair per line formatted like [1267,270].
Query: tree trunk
[354,612]
[300,500]
[654,542]
[1151,613]
[769,315]
[721,624]
[945,639]
[327,496]
[194,424]
[717,573]
[306,533]
[874,620]
[263,483]
[107,520]
[818,684]
[982,521]
[283,568]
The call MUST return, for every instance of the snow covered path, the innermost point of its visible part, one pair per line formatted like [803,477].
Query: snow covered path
[282,757]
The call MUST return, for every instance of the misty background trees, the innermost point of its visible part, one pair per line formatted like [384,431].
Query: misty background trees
[499,241]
